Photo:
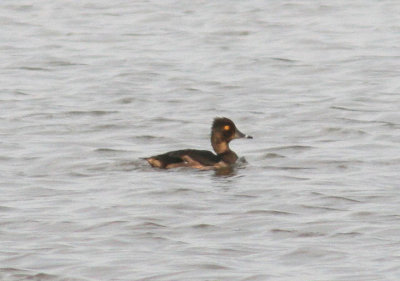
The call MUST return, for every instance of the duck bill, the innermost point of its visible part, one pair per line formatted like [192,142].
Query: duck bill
[240,135]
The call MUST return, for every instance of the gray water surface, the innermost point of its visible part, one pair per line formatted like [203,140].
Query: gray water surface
[89,87]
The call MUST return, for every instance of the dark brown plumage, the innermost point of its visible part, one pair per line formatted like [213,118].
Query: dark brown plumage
[223,130]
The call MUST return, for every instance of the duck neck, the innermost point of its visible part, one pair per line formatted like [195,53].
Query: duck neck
[220,146]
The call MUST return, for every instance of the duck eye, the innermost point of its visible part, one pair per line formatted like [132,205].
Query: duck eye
[227,128]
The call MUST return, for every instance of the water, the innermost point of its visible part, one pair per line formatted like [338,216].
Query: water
[89,87]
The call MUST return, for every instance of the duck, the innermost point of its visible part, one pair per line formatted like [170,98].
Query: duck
[223,131]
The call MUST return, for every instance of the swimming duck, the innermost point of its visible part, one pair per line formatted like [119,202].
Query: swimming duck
[223,130]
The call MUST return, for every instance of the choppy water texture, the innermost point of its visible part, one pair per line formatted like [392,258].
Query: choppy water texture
[89,87]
